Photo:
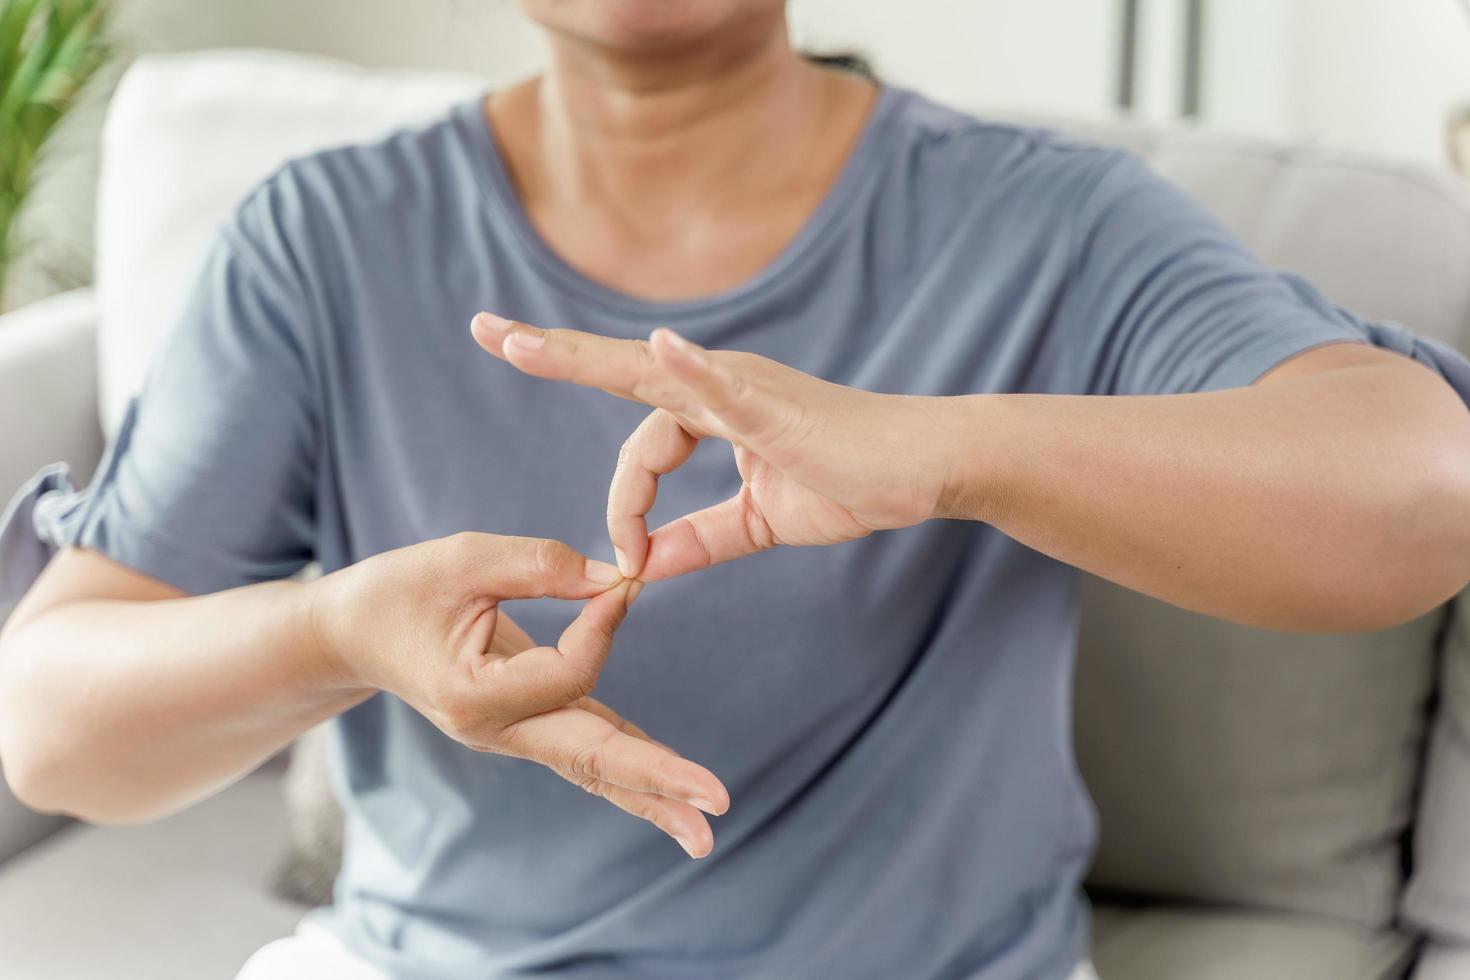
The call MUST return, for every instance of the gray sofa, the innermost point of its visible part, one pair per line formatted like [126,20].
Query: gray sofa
[1272,807]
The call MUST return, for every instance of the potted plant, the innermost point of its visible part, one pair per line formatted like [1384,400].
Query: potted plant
[49,50]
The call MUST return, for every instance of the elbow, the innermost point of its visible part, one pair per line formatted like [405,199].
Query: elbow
[28,781]
[20,763]
[1430,541]
[1427,533]
[32,771]
[1403,556]
[49,786]
[23,764]
[33,778]
[53,776]
[41,771]
[1448,497]
[1451,490]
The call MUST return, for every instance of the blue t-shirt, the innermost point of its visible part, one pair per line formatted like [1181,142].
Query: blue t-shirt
[891,715]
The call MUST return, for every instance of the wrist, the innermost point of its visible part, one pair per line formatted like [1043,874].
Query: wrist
[967,453]
[315,621]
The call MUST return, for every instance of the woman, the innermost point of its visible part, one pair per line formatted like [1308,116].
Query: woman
[890,714]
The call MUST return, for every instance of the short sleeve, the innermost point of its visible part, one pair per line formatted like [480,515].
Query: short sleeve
[1164,300]
[210,480]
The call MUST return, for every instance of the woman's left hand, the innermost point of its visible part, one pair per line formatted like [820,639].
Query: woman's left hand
[821,463]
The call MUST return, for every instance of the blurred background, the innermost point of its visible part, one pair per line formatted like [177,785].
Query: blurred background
[1271,807]
[1384,76]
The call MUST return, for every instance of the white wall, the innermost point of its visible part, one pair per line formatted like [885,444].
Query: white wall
[1376,75]
[1055,56]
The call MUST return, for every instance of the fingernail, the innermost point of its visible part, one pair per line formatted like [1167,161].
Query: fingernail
[634,588]
[688,847]
[489,323]
[602,573]
[678,341]
[622,558]
[705,805]
[528,339]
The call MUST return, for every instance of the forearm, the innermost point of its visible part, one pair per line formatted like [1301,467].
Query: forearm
[119,711]
[1332,495]
[1333,502]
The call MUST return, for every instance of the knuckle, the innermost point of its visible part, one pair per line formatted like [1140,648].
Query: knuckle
[551,557]
[587,763]
[600,637]
[567,684]
[589,759]
[739,385]
[463,549]
[645,809]
[581,681]
[661,779]
[644,364]
[757,528]
[627,451]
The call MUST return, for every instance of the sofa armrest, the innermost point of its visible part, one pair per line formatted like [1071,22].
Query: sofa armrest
[48,397]
[48,384]
[1442,961]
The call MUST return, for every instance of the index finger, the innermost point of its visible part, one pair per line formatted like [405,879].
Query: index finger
[656,448]
[624,368]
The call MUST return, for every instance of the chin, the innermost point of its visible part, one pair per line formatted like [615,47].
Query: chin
[634,25]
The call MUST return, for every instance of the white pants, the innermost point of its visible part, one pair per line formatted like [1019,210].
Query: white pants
[315,954]
[312,954]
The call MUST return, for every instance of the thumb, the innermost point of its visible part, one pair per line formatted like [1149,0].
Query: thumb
[584,645]
[546,678]
[528,568]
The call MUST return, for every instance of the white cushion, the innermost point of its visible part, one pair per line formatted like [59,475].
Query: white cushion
[188,135]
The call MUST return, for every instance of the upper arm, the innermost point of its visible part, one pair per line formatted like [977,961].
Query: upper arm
[1335,356]
[211,480]
[1163,299]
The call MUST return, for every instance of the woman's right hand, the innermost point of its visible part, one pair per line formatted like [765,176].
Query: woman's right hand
[424,623]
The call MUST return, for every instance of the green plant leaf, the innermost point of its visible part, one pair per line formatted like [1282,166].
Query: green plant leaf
[15,20]
[49,51]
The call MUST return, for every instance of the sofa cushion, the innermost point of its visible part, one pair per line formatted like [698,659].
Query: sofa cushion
[1438,897]
[1248,767]
[1443,962]
[180,899]
[186,138]
[1176,943]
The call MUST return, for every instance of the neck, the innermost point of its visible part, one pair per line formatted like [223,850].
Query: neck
[696,125]
[673,174]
